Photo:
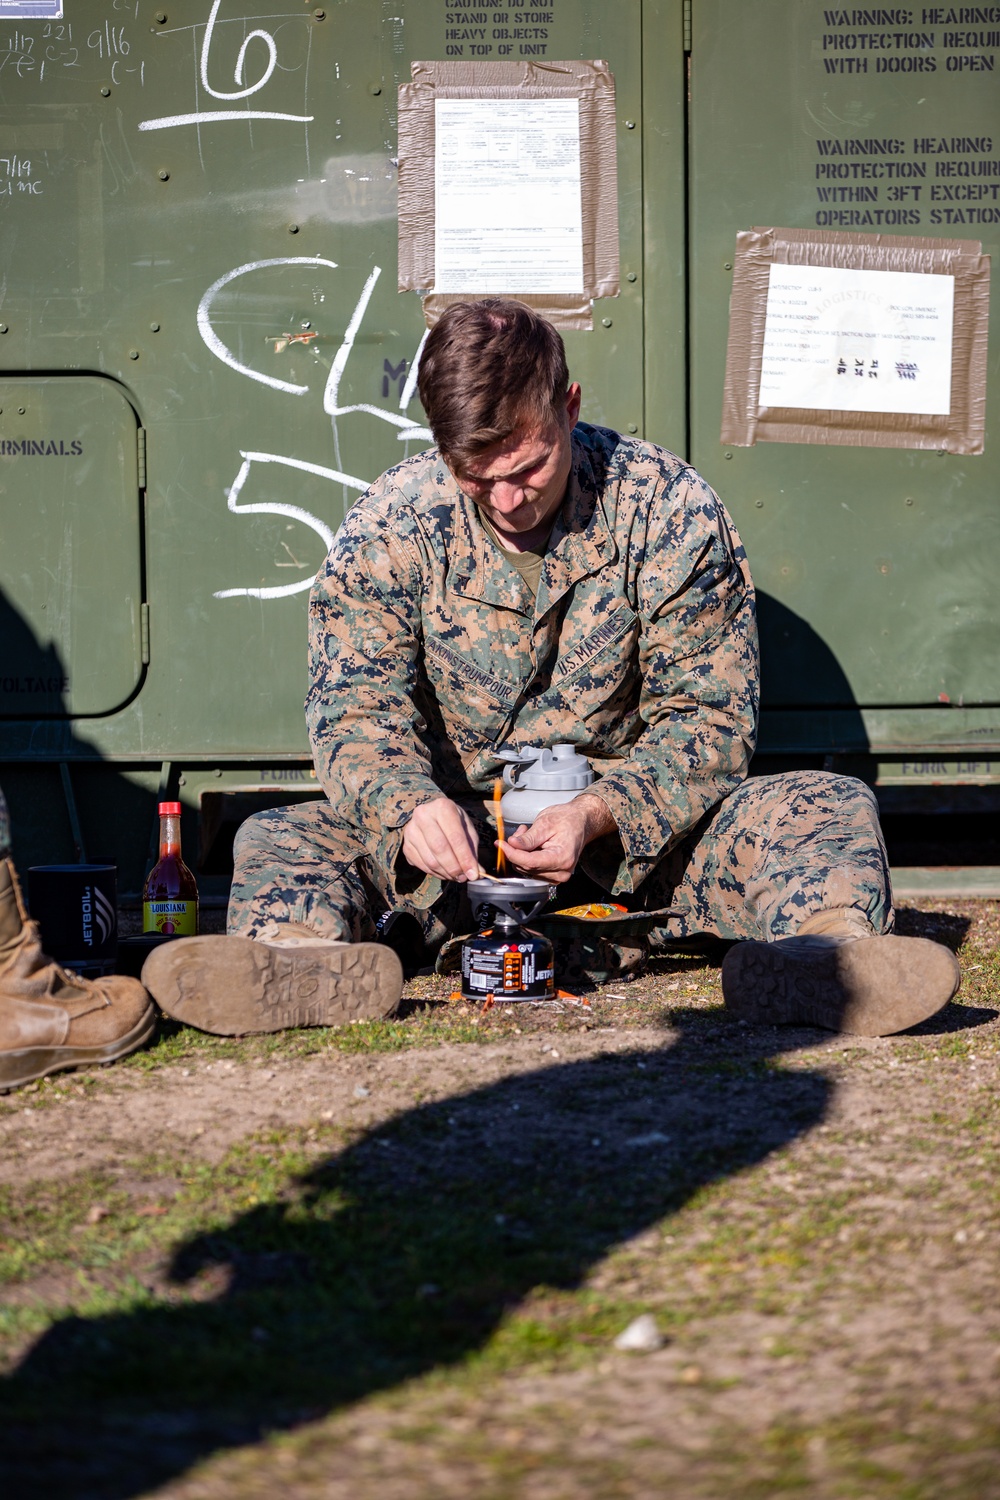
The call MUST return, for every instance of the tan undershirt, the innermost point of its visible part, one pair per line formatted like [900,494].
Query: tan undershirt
[528,564]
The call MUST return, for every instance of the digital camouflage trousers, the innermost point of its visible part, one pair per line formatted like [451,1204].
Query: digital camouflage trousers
[776,850]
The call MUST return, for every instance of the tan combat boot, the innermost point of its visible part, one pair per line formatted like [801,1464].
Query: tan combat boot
[837,973]
[51,1018]
[288,976]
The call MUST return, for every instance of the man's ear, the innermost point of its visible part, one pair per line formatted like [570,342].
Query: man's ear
[574,396]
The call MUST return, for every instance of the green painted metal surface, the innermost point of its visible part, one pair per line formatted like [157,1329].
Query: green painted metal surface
[875,565]
[199,230]
[199,210]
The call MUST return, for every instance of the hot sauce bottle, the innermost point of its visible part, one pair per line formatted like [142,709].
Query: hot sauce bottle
[170,895]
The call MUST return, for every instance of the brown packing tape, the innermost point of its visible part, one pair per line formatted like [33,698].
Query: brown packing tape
[562,311]
[589,82]
[745,423]
[416,188]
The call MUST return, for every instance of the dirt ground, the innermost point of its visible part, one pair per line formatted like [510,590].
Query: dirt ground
[394,1262]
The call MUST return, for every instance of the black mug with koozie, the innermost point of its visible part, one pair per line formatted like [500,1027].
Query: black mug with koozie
[76,907]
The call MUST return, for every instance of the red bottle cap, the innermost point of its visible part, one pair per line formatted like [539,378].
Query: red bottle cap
[170,807]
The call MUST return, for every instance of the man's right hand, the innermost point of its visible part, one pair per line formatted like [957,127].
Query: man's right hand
[440,839]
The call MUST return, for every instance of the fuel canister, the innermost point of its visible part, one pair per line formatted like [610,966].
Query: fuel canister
[506,960]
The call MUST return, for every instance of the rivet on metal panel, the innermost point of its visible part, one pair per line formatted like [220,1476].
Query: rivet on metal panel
[909,500]
[163,175]
[727,455]
[633,427]
[727,265]
[21,410]
[319,15]
[160,17]
[182,781]
[759,504]
[293,229]
[154,327]
[606,322]
[133,354]
[629,124]
[631,276]
[3,327]
[106,92]
[374,88]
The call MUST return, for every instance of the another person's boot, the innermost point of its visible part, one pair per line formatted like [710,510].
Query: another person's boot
[289,976]
[50,1018]
[837,973]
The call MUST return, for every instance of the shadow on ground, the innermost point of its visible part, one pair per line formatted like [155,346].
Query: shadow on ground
[401,1254]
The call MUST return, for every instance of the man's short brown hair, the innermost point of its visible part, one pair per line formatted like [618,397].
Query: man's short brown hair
[489,369]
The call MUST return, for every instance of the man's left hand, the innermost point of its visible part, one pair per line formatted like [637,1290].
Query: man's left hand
[551,846]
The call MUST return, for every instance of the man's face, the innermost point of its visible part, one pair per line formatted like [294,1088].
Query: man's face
[519,485]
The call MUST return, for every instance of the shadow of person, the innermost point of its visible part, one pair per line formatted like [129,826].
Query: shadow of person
[799,670]
[67,801]
[401,1254]
[33,679]
[36,728]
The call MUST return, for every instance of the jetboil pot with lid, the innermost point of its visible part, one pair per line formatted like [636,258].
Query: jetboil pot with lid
[505,960]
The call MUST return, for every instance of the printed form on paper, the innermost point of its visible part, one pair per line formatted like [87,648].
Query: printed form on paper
[507,207]
[868,341]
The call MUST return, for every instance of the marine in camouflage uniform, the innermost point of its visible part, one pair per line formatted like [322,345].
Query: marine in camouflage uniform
[428,655]
[534,580]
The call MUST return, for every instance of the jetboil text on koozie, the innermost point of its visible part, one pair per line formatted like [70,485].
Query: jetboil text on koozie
[77,909]
[170,895]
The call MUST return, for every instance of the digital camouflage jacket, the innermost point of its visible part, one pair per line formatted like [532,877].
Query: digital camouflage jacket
[428,655]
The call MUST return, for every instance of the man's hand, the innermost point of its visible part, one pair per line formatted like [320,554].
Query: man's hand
[440,839]
[552,845]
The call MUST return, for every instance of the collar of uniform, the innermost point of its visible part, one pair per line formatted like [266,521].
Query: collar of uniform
[478,569]
[580,543]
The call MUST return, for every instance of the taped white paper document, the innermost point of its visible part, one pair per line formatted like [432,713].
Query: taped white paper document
[871,341]
[507,205]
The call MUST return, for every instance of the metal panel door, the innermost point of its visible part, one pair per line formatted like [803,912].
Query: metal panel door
[70,565]
[875,565]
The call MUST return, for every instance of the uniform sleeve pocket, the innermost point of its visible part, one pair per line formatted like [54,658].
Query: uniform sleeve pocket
[683,617]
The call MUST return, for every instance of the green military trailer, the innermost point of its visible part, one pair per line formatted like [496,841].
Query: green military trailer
[206,355]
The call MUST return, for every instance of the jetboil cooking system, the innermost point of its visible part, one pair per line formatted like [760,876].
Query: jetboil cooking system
[506,960]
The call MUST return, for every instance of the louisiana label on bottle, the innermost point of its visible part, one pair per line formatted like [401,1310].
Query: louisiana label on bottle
[170,894]
[170,918]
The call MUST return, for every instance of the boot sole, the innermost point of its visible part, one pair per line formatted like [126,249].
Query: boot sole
[29,1063]
[869,987]
[233,985]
